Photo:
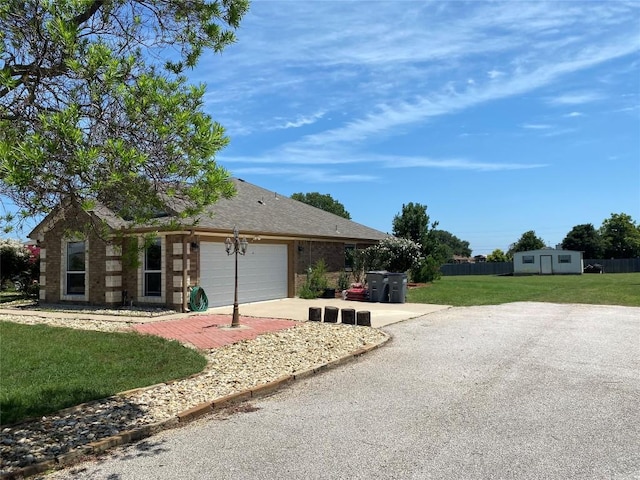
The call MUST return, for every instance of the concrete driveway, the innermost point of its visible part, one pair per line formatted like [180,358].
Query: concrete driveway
[382,314]
[516,391]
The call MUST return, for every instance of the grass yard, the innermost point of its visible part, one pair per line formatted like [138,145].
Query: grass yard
[607,289]
[44,369]
[11,296]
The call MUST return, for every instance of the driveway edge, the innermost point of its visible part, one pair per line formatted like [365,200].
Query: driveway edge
[130,436]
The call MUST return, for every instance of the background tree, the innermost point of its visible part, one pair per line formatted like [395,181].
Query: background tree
[584,238]
[620,236]
[324,202]
[528,241]
[94,106]
[498,256]
[451,244]
[413,223]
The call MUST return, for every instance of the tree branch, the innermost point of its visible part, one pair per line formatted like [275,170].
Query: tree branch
[87,14]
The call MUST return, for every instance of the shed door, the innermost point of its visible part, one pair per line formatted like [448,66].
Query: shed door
[262,273]
[546,265]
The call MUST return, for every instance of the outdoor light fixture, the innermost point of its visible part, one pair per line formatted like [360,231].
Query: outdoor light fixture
[235,246]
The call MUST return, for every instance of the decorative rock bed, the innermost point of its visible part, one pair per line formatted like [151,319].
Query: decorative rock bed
[231,369]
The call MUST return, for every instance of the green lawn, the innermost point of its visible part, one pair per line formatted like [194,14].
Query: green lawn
[607,289]
[11,296]
[44,369]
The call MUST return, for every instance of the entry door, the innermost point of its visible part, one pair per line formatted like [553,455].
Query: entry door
[546,265]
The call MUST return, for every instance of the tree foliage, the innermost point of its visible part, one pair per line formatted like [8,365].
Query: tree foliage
[94,106]
[393,254]
[18,262]
[324,202]
[584,238]
[498,256]
[620,236]
[528,241]
[413,223]
[452,244]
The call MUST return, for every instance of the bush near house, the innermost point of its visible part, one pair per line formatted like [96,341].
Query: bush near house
[316,281]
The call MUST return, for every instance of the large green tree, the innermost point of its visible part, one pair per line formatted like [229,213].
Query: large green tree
[413,223]
[528,241]
[452,244]
[621,236]
[584,238]
[323,201]
[95,107]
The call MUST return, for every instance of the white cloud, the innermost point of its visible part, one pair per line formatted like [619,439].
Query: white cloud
[300,121]
[456,164]
[574,114]
[536,126]
[314,175]
[388,71]
[576,98]
[292,166]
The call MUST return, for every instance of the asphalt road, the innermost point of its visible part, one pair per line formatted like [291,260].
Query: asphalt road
[519,391]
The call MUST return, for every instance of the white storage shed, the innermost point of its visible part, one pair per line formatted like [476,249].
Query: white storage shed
[548,261]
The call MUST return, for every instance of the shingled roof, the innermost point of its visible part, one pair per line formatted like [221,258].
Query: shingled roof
[255,210]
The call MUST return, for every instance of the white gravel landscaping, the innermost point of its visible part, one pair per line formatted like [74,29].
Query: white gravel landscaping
[232,368]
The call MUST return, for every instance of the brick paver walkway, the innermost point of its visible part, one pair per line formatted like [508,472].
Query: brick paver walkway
[205,332]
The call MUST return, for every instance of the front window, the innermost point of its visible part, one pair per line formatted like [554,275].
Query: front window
[75,268]
[153,269]
[528,259]
[564,258]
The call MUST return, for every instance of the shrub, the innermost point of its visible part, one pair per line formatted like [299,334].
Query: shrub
[316,281]
[427,271]
[343,281]
[393,254]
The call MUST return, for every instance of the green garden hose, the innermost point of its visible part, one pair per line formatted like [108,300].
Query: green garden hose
[198,301]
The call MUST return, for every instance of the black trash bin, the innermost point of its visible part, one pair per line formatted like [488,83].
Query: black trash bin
[378,286]
[397,287]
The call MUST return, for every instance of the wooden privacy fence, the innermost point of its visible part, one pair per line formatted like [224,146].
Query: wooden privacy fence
[613,265]
[484,268]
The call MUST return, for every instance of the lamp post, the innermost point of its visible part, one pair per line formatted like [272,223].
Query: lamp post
[235,246]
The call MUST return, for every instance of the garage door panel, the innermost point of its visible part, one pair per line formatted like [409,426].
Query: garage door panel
[262,273]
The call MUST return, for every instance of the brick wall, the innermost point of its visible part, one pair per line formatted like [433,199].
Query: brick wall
[307,253]
[75,225]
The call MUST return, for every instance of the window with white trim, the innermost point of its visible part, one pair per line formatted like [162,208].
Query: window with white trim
[75,268]
[152,273]
[528,259]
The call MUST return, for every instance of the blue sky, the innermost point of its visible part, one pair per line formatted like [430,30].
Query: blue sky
[501,117]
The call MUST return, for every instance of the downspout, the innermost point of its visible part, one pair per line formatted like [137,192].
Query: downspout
[185,275]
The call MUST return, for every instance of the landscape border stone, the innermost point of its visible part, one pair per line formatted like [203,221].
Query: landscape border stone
[130,436]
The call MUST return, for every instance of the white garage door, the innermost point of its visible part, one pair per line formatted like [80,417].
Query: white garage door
[262,273]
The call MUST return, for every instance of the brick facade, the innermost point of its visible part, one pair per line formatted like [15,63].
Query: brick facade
[307,253]
[53,274]
[113,279]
